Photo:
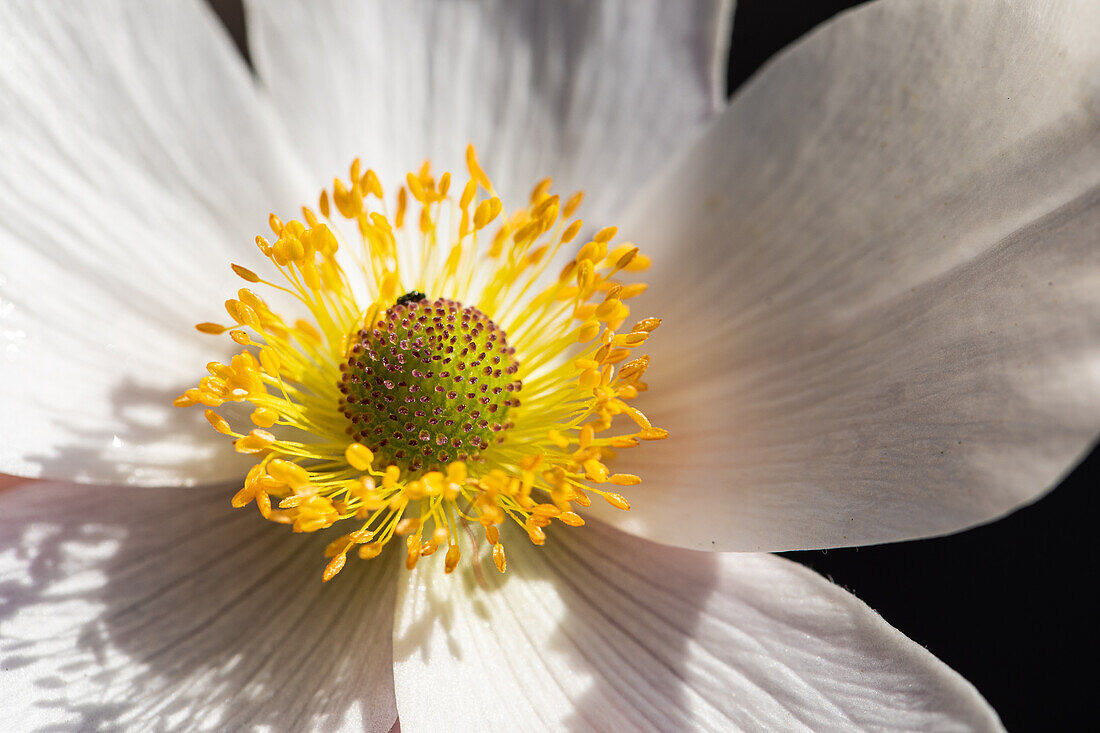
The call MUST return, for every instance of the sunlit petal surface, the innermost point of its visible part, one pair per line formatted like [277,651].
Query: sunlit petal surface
[885,284]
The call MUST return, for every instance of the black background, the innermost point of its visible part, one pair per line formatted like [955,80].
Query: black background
[1006,604]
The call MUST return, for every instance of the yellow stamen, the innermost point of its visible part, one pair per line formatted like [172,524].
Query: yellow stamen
[363,417]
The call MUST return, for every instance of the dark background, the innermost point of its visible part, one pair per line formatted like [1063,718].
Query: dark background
[1006,604]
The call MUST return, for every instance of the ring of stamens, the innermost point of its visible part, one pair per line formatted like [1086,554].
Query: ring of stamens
[314,382]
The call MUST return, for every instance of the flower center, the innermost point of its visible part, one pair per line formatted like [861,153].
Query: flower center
[398,415]
[430,384]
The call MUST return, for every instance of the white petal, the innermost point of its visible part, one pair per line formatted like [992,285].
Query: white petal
[883,318]
[602,631]
[597,94]
[137,162]
[160,609]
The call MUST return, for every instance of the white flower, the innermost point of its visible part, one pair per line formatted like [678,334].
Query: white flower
[879,278]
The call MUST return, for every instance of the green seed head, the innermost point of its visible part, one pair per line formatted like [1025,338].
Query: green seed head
[430,384]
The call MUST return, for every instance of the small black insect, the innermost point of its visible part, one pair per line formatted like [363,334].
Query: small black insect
[413,296]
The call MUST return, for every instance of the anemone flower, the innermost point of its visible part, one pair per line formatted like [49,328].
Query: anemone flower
[875,267]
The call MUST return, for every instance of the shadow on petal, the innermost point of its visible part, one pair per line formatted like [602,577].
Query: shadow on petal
[565,638]
[155,609]
[146,442]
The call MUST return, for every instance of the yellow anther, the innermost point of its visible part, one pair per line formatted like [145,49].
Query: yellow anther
[264,417]
[595,471]
[588,331]
[390,476]
[255,442]
[571,231]
[541,189]
[527,233]
[452,558]
[625,479]
[475,169]
[185,400]
[637,263]
[361,535]
[468,193]
[492,534]
[571,518]
[485,213]
[288,473]
[363,489]
[269,360]
[572,204]
[310,275]
[372,550]
[634,369]
[349,202]
[241,313]
[593,251]
[635,414]
[210,328]
[548,207]
[334,566]
[371,184]
[407,526]
[402,205]
[611,309]
[589,378]
[310,217]
[626,261]
[415,490]
[306,330]
[632,339]
[416,188]
[456,472]
[338,546]
[653,434]
[441,536]
[293,501]
[243,497]
[263,503]
[605,235]
[586,275]
[245,274]
[617,500]
[532,462]
[359,457]
[498,557]
[616,356]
